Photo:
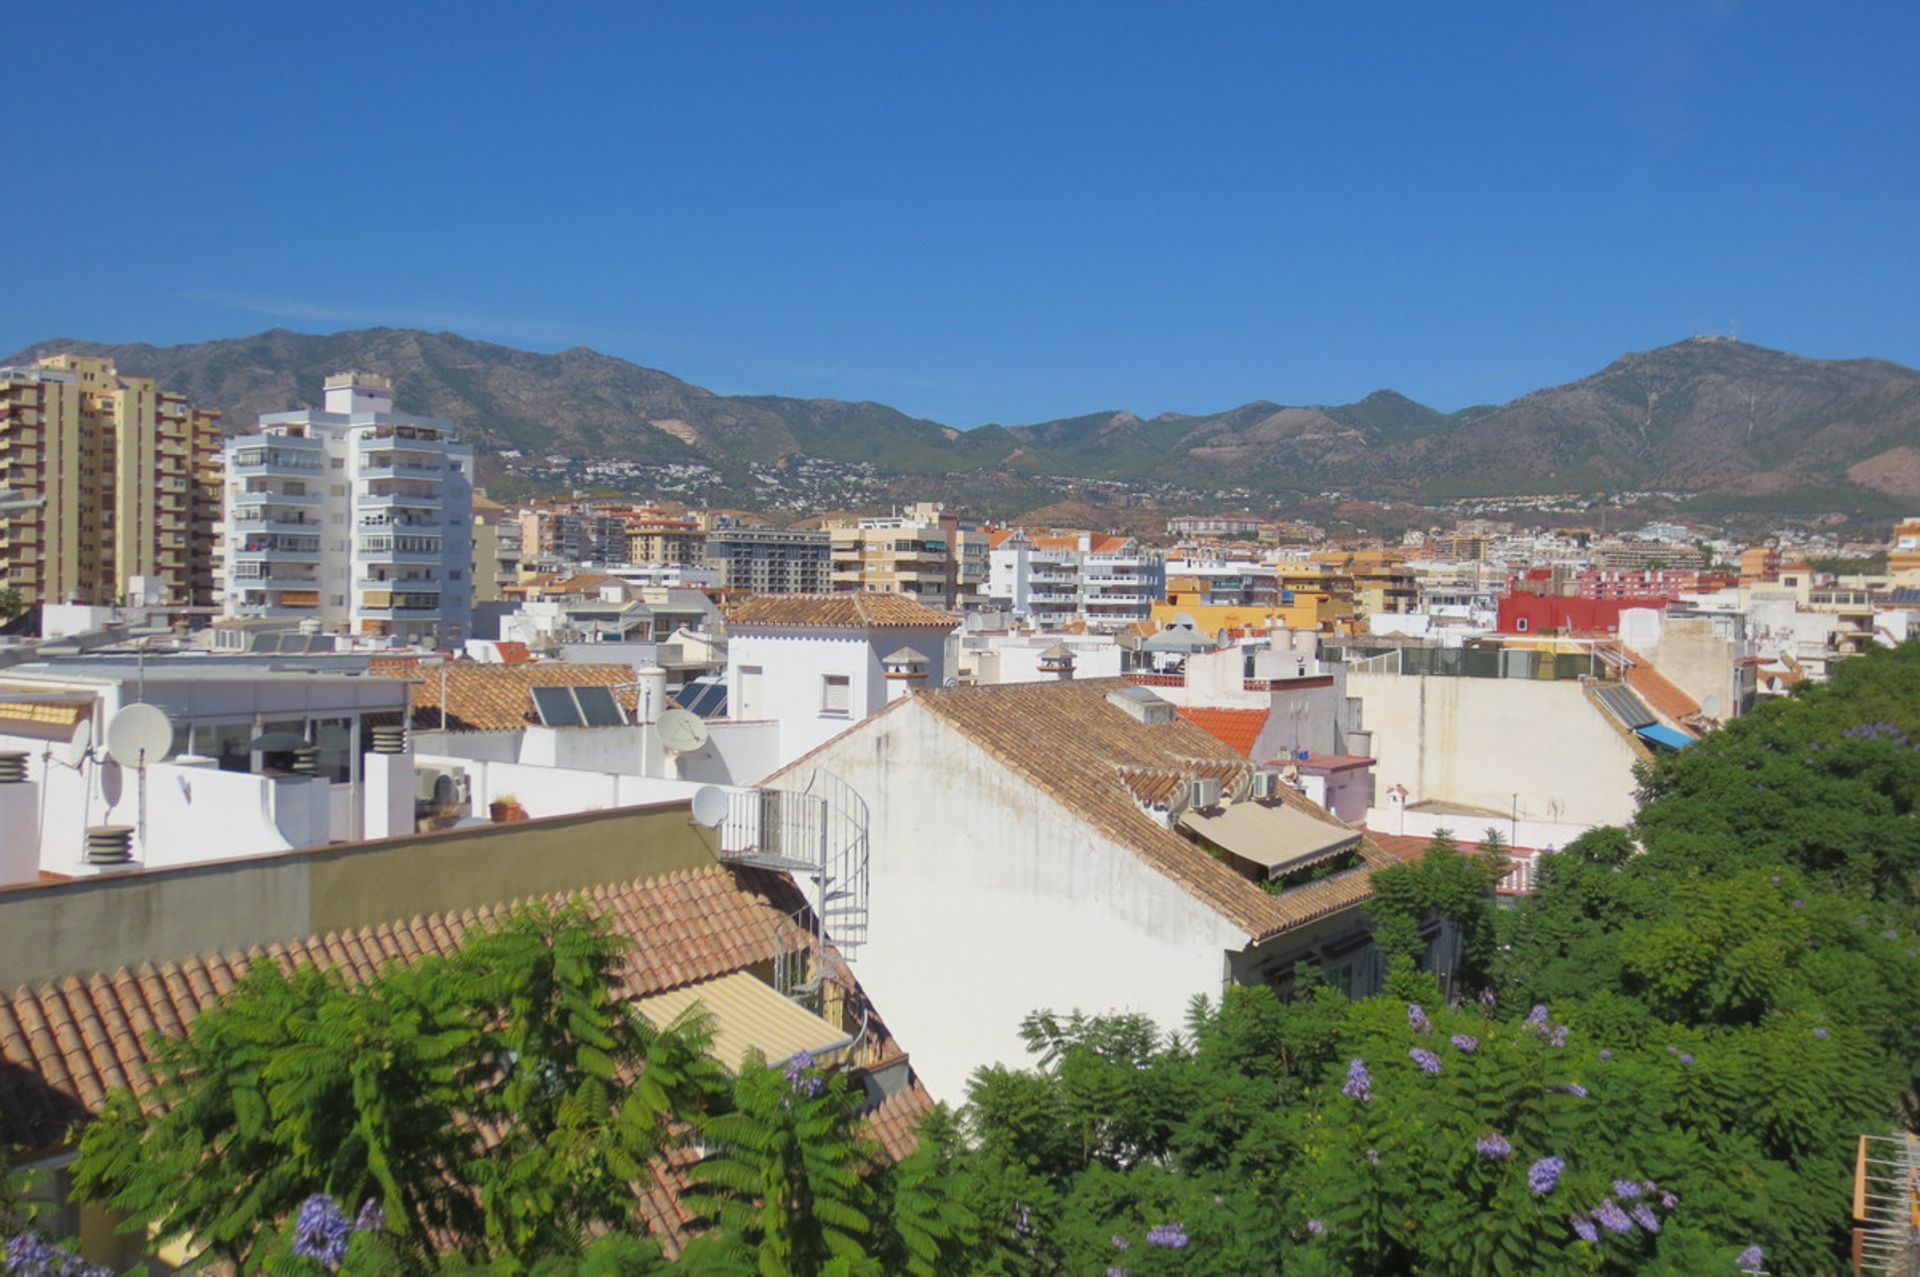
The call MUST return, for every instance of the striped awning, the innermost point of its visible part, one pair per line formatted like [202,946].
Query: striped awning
[748,1015]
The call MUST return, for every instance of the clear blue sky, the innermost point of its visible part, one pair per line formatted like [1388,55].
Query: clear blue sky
[979,211]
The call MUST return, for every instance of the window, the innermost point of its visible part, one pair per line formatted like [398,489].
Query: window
[339,463]
[1520,623]
[454,575]
[836,695]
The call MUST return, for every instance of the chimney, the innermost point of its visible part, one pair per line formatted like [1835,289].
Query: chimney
[905,669]
[1058,662]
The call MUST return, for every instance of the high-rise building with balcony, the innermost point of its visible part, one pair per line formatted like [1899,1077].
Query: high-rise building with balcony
[772,560]
[128,480]
[1055,579]
[496,549]
[917,552]
[356,515]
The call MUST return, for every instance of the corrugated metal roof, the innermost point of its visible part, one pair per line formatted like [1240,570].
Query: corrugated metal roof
[748,1015]
[1624,704]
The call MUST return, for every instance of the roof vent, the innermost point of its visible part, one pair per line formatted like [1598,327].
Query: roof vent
[13,767]
[108,845]
[1142,704]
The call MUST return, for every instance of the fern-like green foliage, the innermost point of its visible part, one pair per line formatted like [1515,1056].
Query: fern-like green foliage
[784,1175]
[496,1102]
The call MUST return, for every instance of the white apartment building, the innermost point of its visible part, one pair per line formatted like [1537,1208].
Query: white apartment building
[1106,582]
[356,515]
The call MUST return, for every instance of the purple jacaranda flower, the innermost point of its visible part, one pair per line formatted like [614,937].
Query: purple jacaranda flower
[1494,1145]
[1668,1200]
[1891,934]
[1572,1088]
[1557,1035]
[1488,997]
[372,1217]
[1610,1217]
[1463,1042]
[1626,1188]
[801,1077]
[1820,1032]
[1686,1058]
[1776,879]
[1544,1175]
[1172,1236]
[1427,1060]
[1373,1155]
[1022,1218]
[1418,1018]
[321,1231]
[1584,1227]
[1751,1260]
[1116,1272]
[1643,1215]
[1359,1085]
[1120,1242]
[1537,1018]
[29,1255]
[1798,903]
[1605,1054]
[1315,1227]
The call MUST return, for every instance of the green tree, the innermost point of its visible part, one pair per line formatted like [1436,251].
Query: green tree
[480,1097]
[784,1172]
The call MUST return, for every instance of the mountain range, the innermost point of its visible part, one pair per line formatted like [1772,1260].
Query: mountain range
[1722,422]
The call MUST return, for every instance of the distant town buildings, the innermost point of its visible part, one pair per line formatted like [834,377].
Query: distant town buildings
[1105,583]
[355,516]
[772,560]
[923,552]
[116,479]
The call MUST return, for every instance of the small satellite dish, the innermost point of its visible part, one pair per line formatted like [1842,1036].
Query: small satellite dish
[682,731]
[710,804]
[76,751]
[139,734]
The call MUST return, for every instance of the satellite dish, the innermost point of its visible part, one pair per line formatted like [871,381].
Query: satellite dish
[76,752]
[710,804]
[139,734]
[682,731]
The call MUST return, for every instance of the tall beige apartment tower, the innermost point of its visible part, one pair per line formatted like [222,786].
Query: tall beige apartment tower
[129,476]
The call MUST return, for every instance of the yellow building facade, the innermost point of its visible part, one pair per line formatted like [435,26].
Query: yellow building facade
[128,477]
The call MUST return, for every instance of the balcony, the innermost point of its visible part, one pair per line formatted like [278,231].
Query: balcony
[387,550]
[396,467]
[388,584]
[269,496]
[257,552]
[276,580]
[403,439]
[398,501]
[259,519]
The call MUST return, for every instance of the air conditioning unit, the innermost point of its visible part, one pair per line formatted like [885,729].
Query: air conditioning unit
[1266,786]
[1203,794]
[442,789]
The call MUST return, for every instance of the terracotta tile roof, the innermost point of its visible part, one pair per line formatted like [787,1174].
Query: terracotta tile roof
[491,697]
[1657,690]
[65,1044]
[864,610]
[1098,761]
[1237,728]
[895,1121]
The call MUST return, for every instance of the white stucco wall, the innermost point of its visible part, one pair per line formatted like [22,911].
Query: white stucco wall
[1481,741]
[794,663]
[990,901]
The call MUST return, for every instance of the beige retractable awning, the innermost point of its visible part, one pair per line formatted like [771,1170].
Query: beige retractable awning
[1277,838]
[747,1015]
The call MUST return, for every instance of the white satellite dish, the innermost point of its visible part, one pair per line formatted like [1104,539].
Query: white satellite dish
[710,805]
[76,751]
[682,731]
[139,734]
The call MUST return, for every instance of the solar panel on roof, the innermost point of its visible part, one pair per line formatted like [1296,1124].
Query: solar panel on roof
[706,698]
[557,707]
[598,707]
